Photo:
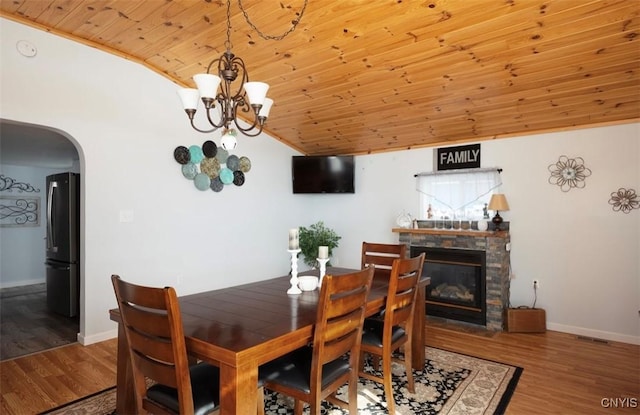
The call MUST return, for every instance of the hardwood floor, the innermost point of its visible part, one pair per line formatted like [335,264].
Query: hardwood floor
[27,326]
[562,374]
[41,381]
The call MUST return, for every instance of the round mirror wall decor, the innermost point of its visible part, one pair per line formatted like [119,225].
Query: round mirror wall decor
[209,167]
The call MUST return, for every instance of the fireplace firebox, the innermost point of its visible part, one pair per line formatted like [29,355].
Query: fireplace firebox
[458,283]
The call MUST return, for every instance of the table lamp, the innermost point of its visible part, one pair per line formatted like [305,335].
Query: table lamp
[497,203]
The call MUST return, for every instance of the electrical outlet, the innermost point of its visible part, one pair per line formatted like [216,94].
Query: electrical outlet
[536,284]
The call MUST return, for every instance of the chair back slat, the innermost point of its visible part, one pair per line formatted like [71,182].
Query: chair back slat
[152,323]
[159,350]
[336,348]
[381,256]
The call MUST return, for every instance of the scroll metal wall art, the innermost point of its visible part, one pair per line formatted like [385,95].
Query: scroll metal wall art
[569,173]
[16,211]
[7,184]
[624,200]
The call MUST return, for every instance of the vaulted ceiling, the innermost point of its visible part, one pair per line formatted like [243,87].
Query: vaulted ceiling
[362,76]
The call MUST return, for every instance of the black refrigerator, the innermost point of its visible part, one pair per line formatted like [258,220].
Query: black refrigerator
[63,243]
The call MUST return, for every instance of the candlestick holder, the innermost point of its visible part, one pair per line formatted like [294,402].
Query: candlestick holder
[323,269]
[294,289]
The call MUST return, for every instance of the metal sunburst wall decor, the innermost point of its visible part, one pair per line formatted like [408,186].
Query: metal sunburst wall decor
[569,173]
[624,200]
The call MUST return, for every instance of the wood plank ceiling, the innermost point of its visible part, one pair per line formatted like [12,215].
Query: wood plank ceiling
[362,76]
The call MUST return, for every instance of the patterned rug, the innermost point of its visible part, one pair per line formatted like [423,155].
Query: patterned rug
[450,384]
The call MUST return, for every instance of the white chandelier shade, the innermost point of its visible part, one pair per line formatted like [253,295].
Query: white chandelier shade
[256,92]
[207,84]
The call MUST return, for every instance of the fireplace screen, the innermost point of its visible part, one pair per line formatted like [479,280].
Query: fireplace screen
[454,284]
[458,283]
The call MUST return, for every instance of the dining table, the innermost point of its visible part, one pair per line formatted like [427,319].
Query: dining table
[241,327]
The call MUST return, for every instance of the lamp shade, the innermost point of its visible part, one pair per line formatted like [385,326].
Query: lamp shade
[498,202]
[256,91]
[189,98]
[266,107]
[207,84]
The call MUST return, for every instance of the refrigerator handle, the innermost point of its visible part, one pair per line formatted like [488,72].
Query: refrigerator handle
[63,267]
[50,241]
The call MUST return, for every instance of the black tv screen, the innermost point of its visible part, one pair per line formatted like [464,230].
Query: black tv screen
[323,174]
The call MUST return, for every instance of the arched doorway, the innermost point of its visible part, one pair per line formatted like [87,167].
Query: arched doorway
[29,154]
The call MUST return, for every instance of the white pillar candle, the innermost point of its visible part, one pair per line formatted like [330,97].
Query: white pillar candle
[293,239]
[323,252]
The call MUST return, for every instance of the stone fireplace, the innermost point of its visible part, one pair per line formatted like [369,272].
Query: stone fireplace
[469,273]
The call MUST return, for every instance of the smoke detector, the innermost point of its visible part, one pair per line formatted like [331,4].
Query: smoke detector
[26,48]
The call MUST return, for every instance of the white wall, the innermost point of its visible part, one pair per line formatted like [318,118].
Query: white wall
[128,122]
[22,249]
[585,255]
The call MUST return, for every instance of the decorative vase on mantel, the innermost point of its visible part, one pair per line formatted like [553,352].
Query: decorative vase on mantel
[483,225]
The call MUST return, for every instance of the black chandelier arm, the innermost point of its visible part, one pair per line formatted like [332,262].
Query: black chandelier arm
[255,109]
[213,124]
[191,114]
[246,131]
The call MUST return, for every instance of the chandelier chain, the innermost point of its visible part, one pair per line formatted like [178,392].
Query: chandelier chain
[294,23]
[227,43]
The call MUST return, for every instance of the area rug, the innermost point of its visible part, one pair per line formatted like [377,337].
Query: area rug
[450,384]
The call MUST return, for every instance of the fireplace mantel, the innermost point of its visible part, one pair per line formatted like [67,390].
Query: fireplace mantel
[494,243]
[453,232]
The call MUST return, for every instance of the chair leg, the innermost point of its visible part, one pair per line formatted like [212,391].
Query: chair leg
[375,362]
[407,367]
[260,401]
[353,394]
[314,407]
[297,407]
[386,375]
[361,362]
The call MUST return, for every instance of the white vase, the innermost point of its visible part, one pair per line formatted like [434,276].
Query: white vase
[483,225]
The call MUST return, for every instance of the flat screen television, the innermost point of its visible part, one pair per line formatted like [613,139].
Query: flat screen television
[323,174]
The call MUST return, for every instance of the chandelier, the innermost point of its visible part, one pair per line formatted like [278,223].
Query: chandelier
[215,90]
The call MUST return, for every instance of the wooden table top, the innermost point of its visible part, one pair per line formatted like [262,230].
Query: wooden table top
[256,318]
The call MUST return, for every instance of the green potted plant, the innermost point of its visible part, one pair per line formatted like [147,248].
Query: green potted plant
[313,237]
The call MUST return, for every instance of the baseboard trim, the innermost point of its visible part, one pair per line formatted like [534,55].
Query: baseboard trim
[20,283]
[96,338]
[596,334]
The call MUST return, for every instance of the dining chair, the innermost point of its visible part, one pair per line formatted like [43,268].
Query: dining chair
[314,373]
[157,351]
[381,256]
[383,335]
